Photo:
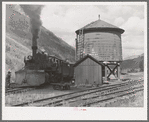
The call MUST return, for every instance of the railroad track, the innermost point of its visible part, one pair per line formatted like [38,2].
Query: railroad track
[70,97]
[92,98]
[110,96]
[18,90]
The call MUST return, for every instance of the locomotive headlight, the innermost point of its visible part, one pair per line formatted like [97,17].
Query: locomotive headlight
[73,81]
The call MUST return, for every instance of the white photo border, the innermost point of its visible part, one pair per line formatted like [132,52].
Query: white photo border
[68,113]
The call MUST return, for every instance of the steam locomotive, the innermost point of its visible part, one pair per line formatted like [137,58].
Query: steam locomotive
[42,69]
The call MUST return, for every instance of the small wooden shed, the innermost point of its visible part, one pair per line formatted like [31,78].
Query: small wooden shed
[88,71]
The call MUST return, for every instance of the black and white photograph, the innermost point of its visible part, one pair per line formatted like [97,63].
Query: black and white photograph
[74,60]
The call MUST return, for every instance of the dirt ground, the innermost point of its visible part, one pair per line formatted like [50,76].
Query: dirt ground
[134,76]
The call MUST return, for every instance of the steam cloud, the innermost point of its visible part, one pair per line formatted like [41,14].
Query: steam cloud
[34,11]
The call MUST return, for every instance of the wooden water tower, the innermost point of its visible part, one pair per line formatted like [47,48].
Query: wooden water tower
[102,41]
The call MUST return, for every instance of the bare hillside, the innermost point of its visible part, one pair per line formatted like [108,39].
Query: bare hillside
[134,64]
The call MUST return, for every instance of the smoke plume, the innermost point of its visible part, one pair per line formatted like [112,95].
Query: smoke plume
[33,11]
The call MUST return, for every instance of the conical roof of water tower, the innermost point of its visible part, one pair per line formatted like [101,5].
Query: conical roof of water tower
[100,25]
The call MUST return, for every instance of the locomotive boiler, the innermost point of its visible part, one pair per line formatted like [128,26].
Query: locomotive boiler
[42,69]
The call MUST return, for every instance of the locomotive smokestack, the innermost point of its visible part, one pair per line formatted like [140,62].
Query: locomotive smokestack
[34,11]
[34,43]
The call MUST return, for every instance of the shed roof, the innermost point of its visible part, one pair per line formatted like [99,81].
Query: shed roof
[87,56]
[100,24]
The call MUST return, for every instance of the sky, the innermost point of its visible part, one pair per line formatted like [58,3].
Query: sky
[64,20]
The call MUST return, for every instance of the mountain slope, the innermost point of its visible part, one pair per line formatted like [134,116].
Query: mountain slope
[133,64]
[132,57]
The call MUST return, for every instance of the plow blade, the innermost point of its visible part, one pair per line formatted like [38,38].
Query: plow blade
[30,77]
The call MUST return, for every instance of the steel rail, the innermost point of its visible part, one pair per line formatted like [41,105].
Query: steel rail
[72,97]
[112,97]
[104,94]
[26,103]
[19,90]
[85,90]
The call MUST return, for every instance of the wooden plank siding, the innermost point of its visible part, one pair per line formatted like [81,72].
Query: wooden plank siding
[104,46]
[88,72]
